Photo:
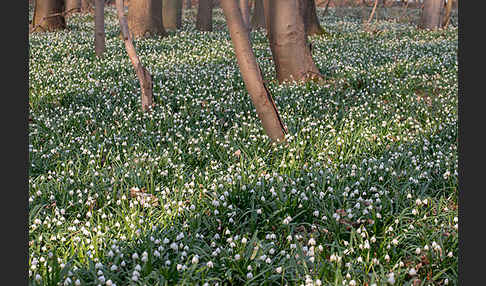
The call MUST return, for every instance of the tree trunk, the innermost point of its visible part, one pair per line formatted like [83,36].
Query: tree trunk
[188,4]
[145,18]
[447,14]
[72,6]
[251,73]
[245,13]
[372,12]
[311,22]
[48,15]
[172,14]
[204,20]
[143,75]
[431,14]
[99,27]
[291,51]
[86,6]
[258,18]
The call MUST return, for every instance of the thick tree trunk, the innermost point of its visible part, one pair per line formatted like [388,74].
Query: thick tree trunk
[251,73]
[447,13]
[245,13]
[72,6]
[143,75]
[86,6]
[48,15]
[145,18]
[291,51]
[172,14]
[311,22]
[258,18]
[431,14]
[99,27]
[204,21]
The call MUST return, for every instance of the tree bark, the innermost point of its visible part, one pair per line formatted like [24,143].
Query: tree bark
[431,14]
[172,14]
[204,21]
[251,73]
[86,6]
[48,15]
[258,18]
[145,18]
[311,21]
[188,4]
[372,12]
[72,6]
[99,27]
[245,13]
[447,13]
[143,75]
[291,51]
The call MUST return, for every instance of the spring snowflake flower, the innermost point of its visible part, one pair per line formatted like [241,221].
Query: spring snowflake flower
[195,259]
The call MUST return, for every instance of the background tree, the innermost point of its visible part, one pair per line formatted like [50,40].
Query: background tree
[86,6]
[172,14]
[431,14]
[144,77]
[188,4]
[251,73]
[72,6]
[48,15]
[145,18]
[258,17]
[447,13]
[288,41]
[311,21]
[204,21]
[245,13]
[99,27]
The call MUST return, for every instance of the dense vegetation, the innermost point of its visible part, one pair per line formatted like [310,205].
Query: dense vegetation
[365,191]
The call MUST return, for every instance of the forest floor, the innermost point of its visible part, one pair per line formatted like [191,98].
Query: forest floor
[364,193]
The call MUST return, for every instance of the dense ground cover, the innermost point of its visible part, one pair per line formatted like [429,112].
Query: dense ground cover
[364,193]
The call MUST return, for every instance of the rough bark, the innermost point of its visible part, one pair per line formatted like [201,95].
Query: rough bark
[172,14]
[143,75]
[145,18]
[251,73]
[447,13]
[245,13]
[311,21]
[204,21]
[99,27]
[431,14]
[72,6]
[258,18]
[48,16]
[291,51]
[372,12]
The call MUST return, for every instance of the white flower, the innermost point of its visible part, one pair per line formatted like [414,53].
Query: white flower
[244,240]
[135,256]
[77,282]
[391,278]
[278,269]
[352,283]
[311,241]
[210,264]
[412,272]
[237,257]
[109,283]
[195,259]
[249,275]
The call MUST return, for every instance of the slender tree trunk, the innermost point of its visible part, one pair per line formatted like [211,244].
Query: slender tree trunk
[291,51]
[172,14]
[431,14]
[372,12]
[245,13]
[99,27]
[447,13]
[311,21]
[145,18]
[204,21]
[143,75]
[327,7]
[86,6]
[251,73]
[48,15]
[188,4]
[72,6]
[258,18]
